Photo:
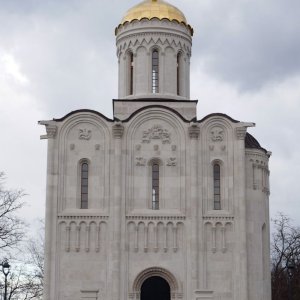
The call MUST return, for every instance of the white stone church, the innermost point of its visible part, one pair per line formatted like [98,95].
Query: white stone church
[155,204]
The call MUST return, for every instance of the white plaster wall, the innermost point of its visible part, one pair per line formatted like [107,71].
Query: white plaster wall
[211,254]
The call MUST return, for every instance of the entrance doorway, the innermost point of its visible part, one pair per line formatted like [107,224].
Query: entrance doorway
[155,288]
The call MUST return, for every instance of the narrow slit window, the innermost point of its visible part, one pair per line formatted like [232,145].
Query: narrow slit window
[178,74]
[131,73]
[84,185]
[217,187]
[155,186]
[155,72]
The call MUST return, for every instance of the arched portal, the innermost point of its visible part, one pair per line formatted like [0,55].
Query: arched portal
[155,288]
[159,277]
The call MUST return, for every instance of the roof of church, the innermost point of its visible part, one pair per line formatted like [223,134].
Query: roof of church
[252,143]
[160,9]
[154,9]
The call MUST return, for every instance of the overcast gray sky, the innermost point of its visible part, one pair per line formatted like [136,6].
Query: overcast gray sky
[59,55]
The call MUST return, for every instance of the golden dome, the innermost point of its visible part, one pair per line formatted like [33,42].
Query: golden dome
[154,9]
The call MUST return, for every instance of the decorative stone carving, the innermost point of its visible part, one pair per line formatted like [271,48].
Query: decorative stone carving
[172,162]
[118,130]
[223,147]
[85,134]
[241,133]
[140,161]
[72,147]
[97,147]
[156,133]
[194,131]
[217,134]
[138,147]
[211,147]
[156,147]
[174,147]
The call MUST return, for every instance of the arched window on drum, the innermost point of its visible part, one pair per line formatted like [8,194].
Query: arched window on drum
[217,186]
[130,73]
[155,71]
[84,184]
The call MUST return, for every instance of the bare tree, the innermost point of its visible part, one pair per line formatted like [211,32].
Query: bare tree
[25,280]
[285,248]
[12,228]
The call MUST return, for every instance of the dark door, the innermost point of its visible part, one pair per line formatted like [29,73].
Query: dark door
[155,288]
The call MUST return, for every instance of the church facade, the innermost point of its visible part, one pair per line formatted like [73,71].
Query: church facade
[155,203]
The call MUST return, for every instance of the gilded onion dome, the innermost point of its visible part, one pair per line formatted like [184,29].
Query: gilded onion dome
[150,9]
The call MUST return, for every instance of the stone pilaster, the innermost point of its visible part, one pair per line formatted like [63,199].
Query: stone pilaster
[194,132]
[115,236]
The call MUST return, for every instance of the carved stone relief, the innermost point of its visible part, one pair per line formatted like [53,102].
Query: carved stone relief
[84,134]
[97,147]
[172,162]
[156,133]
[217,134]
[140,161]
[72,147]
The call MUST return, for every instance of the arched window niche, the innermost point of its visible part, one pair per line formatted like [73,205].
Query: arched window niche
[178,73]
[217,185]
[155,178]
[84,166]
[155,71]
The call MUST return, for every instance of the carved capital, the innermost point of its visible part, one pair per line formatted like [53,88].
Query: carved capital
[51,131]
[118,130]
[194,131]
[240,133]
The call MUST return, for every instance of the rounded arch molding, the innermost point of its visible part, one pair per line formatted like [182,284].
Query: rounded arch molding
[160,272]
